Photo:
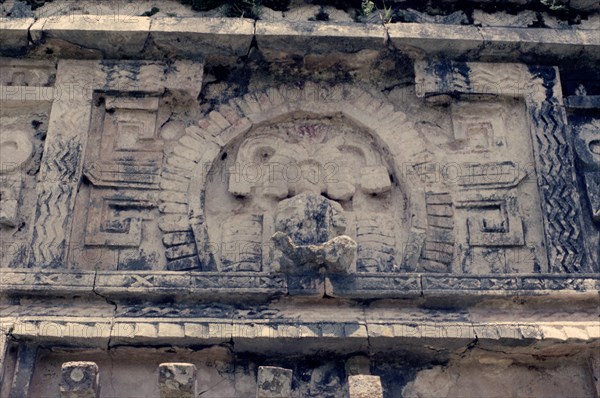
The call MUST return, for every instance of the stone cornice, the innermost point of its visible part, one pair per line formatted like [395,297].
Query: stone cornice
[146,38]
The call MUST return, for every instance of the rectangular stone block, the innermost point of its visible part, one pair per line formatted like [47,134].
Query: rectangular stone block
[79,380]
[177,380]
[13,33]
[274,382]
[206,37]
[364,386]
[115,36]
[320,38]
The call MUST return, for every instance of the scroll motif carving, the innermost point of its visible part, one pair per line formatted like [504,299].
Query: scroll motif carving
[318,187]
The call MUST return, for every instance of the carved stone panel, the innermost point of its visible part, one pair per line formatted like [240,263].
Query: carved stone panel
[540,124]
[288,192]
[26,94]
[99,196]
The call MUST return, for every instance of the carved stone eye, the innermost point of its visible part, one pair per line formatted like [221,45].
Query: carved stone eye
[15,150]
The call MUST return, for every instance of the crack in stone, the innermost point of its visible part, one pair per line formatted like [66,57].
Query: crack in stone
[110,302]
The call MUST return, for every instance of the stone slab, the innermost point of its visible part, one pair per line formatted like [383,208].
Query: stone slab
[203,36]
[128,35]
[120,284]
[319,38]
[14,33]
[274,382]
[115,36]
[177,380]
[365,386]
[493,43]
[79,380]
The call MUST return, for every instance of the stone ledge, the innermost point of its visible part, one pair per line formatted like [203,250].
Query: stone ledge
[209,284]
[14,33]
[206,37]
[203,36]
[189,331]
[319,38]
[115,37]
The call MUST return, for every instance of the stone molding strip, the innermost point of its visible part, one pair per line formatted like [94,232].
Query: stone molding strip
[125,35]
[103,332]
[118,284]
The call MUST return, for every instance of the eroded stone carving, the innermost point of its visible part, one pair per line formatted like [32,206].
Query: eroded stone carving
[553,153]
[587,146]
[364,386]
[25,101]
[274,382]
[16,149]
[116,101]
[122,166]
[177,380]
[79,380]
[317,187]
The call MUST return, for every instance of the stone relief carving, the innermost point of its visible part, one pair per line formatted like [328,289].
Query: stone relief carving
[553,154]
[122,168]
[237,223]
[308,192]
[16,149]
[265,186]
[25,101]
[587,146]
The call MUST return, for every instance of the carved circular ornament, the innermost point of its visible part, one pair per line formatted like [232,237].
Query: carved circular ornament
[77,375]
[15,150]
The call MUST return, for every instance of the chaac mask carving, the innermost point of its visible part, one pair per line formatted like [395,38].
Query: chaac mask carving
[304,195]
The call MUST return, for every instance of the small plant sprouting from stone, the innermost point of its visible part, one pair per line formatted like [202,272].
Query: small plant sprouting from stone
[367,7]
[386,16]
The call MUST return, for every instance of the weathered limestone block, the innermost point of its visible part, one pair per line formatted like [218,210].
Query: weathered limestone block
[274,382]
[363,386]
[177,380]
[322,38]
[24,368]
[208,37]
[114,35]
[13,33]
[80,380]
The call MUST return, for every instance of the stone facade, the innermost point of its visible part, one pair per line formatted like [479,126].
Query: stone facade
[205,206]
